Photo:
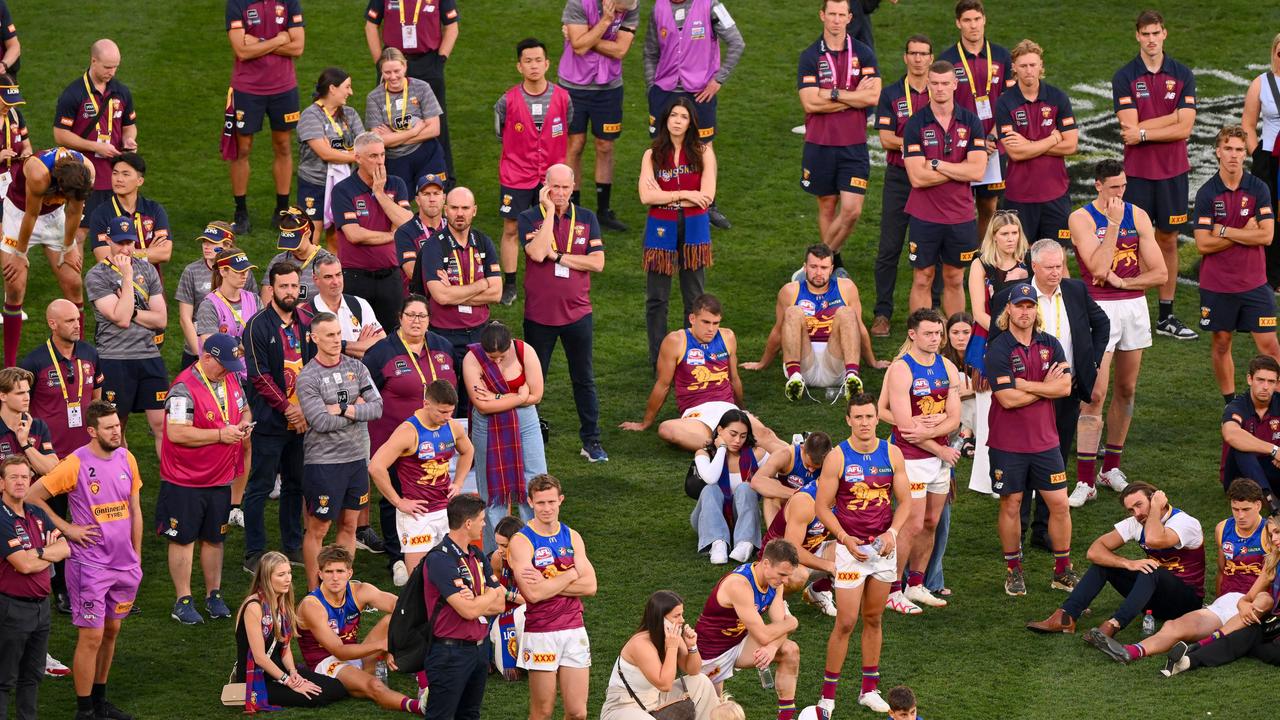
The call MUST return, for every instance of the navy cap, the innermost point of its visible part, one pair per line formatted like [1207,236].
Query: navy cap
[11,95]
[234,259]
[227,351]
[290,239]
[218,233]
[437,179]
[1022,292]
[122,230]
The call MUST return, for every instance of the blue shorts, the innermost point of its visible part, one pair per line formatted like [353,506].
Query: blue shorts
[515,201]
[428,157]
[135,385]
[602,107]
[311,200]
[91,203]
[1251,311]
[330,489]
[955,245]
[704,113]
[281,109]
[1164,200]
[1017,472]
[186,514]
[829,170]
[1041,221]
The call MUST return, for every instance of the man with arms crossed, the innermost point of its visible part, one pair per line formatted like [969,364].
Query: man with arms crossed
[1119,259]
[552,571]
[734,634]
[854,501]
[1251,431]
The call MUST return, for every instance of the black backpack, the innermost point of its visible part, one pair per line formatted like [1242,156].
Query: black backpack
[410,631]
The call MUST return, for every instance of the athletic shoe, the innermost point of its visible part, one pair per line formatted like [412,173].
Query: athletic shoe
[822,600]
[236,517]
[920,595]
[801,130]
[969,447]
[62,603]
[1177,660]
[1058,622]
[111,712]
[216,606]
[508,295]
[275,490]
[594,453]
[742,551]
[898,602]
[826,706]
[717,218]
[53,668]
[1082,494]
[1109,646]
[241,225]
[399,574]
[1173,327]
[719,552]
[422,698]
[1114,479]
[873,701]
[794,388]
[369,540]
[609,221]
[184,611]
[852,385]
[1014,584]
[86,715]
[251,563]
[880,327]
[1065,580]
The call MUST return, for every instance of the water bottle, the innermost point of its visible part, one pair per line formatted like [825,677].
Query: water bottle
[1148,624]
[766,678]
[380,671]
[877,545]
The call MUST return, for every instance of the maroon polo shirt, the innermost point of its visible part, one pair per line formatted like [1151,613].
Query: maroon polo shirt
[264,19]
[47,401]
[352,203]
[556,299]
[1042,178]
[1031,428]
[18,533]
[1154,94]
[898,102]
[952,201]
[449,569]
[841,67]
[1239,268]
[430,15]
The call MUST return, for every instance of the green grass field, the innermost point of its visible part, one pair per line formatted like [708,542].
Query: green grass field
[971,660]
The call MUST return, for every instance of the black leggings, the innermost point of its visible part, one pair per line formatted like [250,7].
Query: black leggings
[330,690]
[1245,642]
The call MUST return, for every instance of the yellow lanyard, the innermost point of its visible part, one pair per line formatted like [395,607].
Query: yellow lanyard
[234,312]
[973,90]
[140,288]
[471,262]
[314,251]
[340,130]
[62,383]
[573,223]
[414,359]
[88,89]
[224,407]
[137,220]
[417,9]
[906,91]
[404,99]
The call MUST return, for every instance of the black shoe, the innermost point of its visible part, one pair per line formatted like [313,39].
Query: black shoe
[369,540]
[251,563]
[295,556]
[111,712]
[86,715]
[241,225]
[544,428]
[62,604]
[1108,645]
[1177,661]
[609,221]
[509,293]
[717,218]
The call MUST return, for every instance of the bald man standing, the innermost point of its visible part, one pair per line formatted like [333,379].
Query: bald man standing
[95,116]
[563,248]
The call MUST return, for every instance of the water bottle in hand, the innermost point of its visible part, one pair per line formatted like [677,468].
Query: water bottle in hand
[766,678]
[1148,625]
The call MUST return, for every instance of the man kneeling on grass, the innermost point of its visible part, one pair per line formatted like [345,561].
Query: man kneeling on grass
[329,631]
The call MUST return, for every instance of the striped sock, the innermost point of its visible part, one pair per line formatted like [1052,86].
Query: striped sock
[1135,651]
[1205,641]
[1013,560]
[1111,457]
[853,368]
[1086,468]
[914,578]
[421,676]
[830,680]
[790,368]
[411,706]
[786,708]
[1061,560]
[870,678]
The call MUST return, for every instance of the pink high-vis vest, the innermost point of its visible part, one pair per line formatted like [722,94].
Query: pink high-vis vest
[592,68]
[526,152]
[209,465]
[689,55]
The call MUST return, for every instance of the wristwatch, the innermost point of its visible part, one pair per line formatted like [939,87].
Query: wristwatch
[40,553]
[835,94]
[1222,231]
[1274,449]
[934,163]
[1142,135]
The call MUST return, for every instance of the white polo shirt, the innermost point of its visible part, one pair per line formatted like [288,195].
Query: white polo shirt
[1054,312]
[351,327]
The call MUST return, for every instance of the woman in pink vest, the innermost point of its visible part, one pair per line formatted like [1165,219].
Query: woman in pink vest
[678,183]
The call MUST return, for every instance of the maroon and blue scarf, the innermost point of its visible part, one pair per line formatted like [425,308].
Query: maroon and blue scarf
[747,467]
[504,456]
[255,680]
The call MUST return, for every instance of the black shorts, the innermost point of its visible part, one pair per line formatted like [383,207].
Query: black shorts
[705,113]
[826,170]
[186,514]
[330,489]
[281,109]
[1017,472]
[1164,200]
[134,385]
[1251,311]
[955,245]
[514,202]
[603,107]
[311,200]
[1041,221]
[994,190]
[91,203]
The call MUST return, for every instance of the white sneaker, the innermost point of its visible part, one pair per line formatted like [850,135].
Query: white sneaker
[275,489]
[742,551]
[822,600]
[920,595]
[873,701]
[1114,479]
[399,574]
[719,552]
[827,706]
[422,698]
[1082,494]
[53,668]
[236,517]
[899,603]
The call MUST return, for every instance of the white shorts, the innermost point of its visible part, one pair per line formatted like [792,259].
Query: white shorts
[1130,323]
[720,668]
[420,533]
[850,573]
[821,368]
[708,413]
[928,476]
[549,651]
[50,230]
[1225,606]
[331,666]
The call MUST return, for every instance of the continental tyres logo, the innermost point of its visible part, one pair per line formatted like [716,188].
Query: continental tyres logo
[110,512]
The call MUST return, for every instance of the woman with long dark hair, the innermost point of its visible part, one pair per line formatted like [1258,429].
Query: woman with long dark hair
[728,509]
[645,678]
[327,130]
[678,183]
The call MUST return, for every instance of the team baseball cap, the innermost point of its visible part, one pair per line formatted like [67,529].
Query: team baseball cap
[293,226]
[1022,292]
[437,179]
[10,95]
[235,260]
[218,233]
[122,230]
[227,351]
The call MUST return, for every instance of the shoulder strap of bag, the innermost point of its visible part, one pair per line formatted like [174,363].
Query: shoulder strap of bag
[627,685]
[235,666]
[430,632]
[1275,93]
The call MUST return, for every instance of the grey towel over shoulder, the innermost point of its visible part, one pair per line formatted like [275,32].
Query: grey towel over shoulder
[332,439]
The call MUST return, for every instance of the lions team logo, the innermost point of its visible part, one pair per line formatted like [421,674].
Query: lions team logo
[95,487]
[1044,353]
[962,132]
[1204,316]
[519,127]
